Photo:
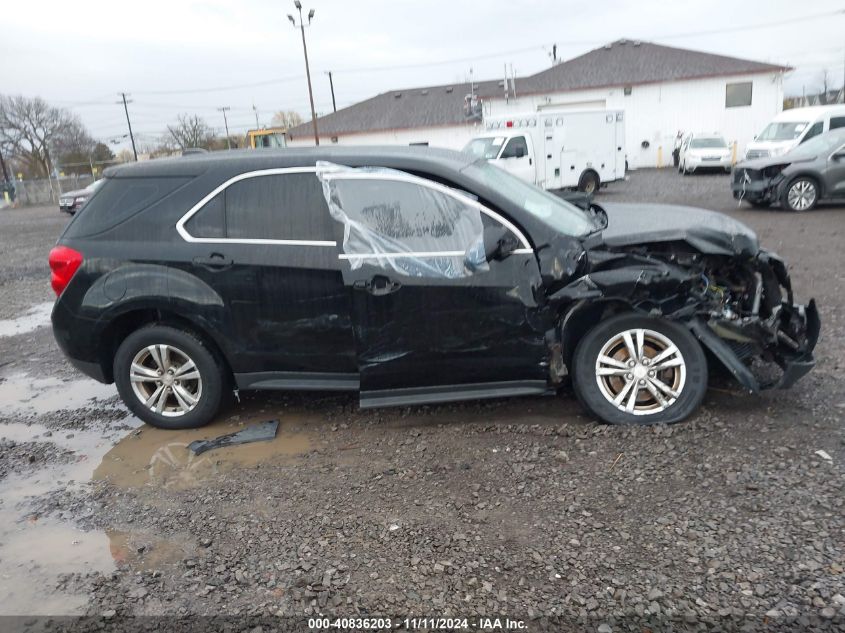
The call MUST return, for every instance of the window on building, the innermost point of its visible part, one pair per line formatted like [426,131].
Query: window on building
[277,207]
[738,94]
[628,90]
[837,122]
[516,148]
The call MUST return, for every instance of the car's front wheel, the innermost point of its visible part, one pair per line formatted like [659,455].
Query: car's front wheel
[169,378]
[633,369]
[801,194]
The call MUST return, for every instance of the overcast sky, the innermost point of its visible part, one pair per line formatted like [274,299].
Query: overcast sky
[197,55]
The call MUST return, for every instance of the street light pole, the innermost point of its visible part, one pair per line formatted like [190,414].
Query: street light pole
[226,123]
[301,25]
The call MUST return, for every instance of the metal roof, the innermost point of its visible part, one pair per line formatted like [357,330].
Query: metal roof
[620,63]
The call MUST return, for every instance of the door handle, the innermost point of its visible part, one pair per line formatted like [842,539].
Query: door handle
[215,261]
[530,161]
[378,286]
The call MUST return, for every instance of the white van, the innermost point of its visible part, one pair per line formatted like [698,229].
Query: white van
[792,127]
[556,149]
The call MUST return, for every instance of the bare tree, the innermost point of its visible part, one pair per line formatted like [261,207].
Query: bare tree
[825,79]
[286,119]
[32,132]
[191,131]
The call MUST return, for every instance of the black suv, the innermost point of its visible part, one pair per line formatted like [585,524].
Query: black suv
[413,276]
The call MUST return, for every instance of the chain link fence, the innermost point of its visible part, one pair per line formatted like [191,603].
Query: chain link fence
[48,190]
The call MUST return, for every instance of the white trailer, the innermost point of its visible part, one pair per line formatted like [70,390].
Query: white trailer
[557,149]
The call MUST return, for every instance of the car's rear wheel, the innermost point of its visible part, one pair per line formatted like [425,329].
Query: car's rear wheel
[169,378]
[801,194]
[633,369]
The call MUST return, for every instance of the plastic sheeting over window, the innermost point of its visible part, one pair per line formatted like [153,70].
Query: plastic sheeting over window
[404,224]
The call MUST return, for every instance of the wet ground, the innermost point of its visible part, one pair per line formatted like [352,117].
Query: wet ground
[520,507]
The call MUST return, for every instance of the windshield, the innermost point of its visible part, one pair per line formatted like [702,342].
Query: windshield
[783,131]
[708,142]
[486,147]
[556,213]
[821,145]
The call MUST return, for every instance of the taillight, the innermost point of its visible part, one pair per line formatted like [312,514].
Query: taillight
[64,262]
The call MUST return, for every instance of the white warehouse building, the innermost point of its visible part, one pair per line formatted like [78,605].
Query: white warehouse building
[663,90]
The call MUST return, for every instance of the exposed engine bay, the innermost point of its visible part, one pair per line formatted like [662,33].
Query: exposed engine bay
[736,298]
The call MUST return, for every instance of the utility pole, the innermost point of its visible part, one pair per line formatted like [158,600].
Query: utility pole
[129,123]
[331,85]
[255,111]
[226,123]
[301,25]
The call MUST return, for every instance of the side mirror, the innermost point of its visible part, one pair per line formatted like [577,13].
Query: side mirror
[498,243]
[840,155]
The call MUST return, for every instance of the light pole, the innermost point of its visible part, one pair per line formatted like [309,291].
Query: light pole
[301,26]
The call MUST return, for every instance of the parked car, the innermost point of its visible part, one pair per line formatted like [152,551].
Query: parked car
[792,127]
[704,151]
[411,275]
[813,171]
[73,201]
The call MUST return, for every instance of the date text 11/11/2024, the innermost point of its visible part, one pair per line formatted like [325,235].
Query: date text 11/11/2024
[416,623]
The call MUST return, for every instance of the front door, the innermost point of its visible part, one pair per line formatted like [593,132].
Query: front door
[433,319]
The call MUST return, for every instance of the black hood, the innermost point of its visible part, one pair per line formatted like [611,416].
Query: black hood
[706,231]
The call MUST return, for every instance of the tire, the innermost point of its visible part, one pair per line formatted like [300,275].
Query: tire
[686,375]
[589,182]
[801,194]
[144,347]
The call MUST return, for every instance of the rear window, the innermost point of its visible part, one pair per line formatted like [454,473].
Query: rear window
[270,207]
[118,200]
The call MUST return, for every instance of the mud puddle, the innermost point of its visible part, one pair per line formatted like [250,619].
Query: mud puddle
[37,316]
[161,459]
[36,550]
[22,393]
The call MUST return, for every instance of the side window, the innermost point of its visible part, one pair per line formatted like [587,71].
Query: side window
[814,130]
[516,148]
[274,207]
[407,228]
[210,220]
[837,122]
[278,207]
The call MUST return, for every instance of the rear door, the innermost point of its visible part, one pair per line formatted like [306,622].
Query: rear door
[265,242]
[433,320]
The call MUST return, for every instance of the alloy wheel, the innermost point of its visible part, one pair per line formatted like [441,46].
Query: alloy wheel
[640,371]
[166,380]
[801,195]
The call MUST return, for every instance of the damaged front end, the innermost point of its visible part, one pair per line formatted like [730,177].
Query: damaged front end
[757,185]
[739,306]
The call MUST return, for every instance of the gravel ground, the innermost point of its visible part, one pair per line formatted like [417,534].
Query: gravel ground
[522,508]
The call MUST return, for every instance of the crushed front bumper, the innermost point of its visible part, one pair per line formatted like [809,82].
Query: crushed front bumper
[798,366]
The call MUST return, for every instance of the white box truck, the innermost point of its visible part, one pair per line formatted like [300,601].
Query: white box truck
[556,149]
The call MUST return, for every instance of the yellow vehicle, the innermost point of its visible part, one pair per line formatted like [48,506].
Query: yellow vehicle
[267,137]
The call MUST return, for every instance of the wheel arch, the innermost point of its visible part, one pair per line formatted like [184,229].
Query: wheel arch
[132,320]
[590,171]
[810,175]
[581,318]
